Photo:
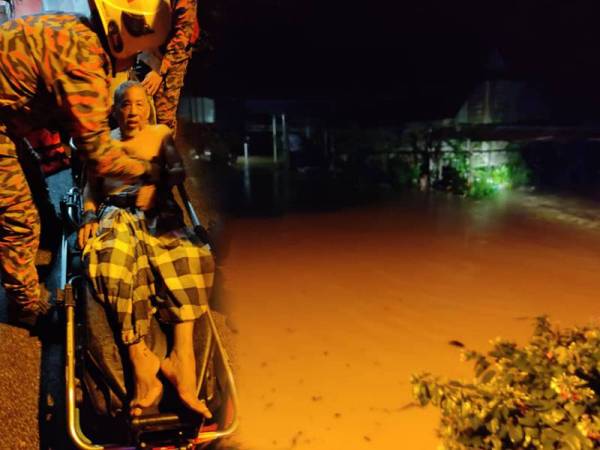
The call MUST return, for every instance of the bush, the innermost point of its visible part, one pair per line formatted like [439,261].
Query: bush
[542,396]
[460,177]
[403,173]
[488,181]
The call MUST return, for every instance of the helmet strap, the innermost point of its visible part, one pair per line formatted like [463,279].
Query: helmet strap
[114,37]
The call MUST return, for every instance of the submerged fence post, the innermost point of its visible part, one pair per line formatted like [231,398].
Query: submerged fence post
[274,128]
[246,152]
[470,176]
[283,133]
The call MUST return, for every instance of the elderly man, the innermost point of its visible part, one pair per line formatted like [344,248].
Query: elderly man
[138,261]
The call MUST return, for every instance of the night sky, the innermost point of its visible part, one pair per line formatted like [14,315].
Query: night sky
[419,54]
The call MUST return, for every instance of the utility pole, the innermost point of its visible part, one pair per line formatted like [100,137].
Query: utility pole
[246,150]
[284,140]
[274,128]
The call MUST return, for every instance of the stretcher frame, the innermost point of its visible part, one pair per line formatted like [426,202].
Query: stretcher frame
[226,416]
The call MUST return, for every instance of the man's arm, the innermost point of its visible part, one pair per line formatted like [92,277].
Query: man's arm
[178,45]
[89,219]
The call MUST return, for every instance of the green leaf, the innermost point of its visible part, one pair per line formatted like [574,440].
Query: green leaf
[549,437]
[575,409]
[553,417]
[533,432]
[549,394]
[493,425]
[496,442]
[530,420]
[561,354]
[487,376]
[572,441]
[515,433]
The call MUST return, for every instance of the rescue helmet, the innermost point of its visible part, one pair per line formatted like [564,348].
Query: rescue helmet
[132,26]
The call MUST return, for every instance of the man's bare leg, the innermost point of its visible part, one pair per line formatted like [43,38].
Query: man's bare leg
[180,368]
[148,387]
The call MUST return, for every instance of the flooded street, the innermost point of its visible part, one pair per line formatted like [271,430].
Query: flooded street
[330,309]
[334,310]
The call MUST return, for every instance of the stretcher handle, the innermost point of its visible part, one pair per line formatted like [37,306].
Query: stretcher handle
[199,229]
[188,206]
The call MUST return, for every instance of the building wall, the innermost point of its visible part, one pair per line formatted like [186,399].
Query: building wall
[504,102]
[26,7]
[78,6]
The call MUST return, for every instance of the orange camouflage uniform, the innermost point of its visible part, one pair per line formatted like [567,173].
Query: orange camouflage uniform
[176,55]
[52,68]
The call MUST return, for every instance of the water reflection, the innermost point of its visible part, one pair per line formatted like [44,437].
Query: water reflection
[267,189]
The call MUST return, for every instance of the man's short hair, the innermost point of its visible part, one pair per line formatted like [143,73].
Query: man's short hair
[124,87]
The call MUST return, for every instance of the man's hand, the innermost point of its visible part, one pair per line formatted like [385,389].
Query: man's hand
[152,82]
[88,228]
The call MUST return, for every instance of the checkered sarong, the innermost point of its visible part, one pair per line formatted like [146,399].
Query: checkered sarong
[138,273]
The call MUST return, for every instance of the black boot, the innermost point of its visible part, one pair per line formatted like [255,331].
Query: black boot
[40,320]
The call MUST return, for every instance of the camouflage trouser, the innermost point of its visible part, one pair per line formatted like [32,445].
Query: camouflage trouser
[166,98]
[19,231]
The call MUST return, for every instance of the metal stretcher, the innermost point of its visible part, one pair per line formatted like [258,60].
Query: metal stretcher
[98,373]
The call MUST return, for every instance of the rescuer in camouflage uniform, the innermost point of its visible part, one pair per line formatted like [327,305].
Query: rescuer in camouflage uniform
[169,64]
[58,66]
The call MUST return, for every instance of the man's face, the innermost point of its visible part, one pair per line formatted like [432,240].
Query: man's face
[132,113]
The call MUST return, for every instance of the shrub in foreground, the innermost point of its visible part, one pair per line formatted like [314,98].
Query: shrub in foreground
[542,396]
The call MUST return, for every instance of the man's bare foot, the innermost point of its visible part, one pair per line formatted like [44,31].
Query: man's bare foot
[180,370]
[148,388]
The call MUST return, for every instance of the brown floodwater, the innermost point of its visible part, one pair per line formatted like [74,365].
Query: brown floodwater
[334,310]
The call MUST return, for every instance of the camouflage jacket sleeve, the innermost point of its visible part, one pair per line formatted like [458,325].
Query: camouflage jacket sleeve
[81,88]
[178,45]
